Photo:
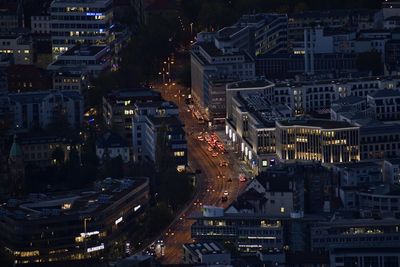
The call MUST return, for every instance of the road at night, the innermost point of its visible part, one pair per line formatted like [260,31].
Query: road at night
[210,187]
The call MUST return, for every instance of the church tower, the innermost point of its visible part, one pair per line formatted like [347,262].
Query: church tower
[16,169]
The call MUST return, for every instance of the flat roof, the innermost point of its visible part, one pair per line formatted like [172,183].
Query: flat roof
[71,203]
[84,50]
[386,93]
[325,124]
[249,84]
[205,248]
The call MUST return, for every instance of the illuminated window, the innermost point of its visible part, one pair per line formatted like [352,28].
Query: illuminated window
[282,209]
[265,163]
[179,153]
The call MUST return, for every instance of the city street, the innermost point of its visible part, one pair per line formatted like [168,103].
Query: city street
[213,181]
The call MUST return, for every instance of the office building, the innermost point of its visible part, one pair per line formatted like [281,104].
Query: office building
[20,47]
[118,109]
[151,120]
[79,225]
[227,56]
[307,96]
[361,242]
[288,66]
[248,232]
[208,253]
[80,22]
[379,141]
[385,104]
[40,109]
[250,120]
[321,140]
[89,59]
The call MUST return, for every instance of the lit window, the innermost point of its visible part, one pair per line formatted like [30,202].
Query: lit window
[179,153]
[282,210]
[264,163]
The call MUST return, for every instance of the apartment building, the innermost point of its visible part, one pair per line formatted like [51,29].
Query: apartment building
[119,109]
[20,47]
[111,145]
[38,147]
[39,109]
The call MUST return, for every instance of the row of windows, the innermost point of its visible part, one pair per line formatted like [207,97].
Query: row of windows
[78,26]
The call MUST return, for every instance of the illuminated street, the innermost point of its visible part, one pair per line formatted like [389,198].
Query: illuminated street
[212,182]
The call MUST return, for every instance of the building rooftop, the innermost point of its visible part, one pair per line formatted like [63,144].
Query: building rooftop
[380,129]
[205,248]
[38,96]
[110,140]
[359,164]
[133,95]
[85,50]
[228,31]
[349,100]
[383,189]
[386,93]
[71,203]
[324,124]
[249,84]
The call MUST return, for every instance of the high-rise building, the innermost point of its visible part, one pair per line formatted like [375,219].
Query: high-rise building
[79,21]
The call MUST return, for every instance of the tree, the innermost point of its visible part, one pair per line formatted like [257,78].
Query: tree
[114,167]
[158,217]
[370,62]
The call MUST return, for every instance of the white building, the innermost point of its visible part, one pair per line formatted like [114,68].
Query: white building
[112,145]
[226,56]
[20,47]
[250,120]
[79,21]
[90,59]
[39,109]
[148,118]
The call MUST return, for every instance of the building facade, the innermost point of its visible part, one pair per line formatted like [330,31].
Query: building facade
[66,227]
[325,141]
[74,22]
[40,109]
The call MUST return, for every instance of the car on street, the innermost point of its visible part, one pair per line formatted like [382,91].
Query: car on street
[226,193]
[242,178]
[215,154]
[223,163]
